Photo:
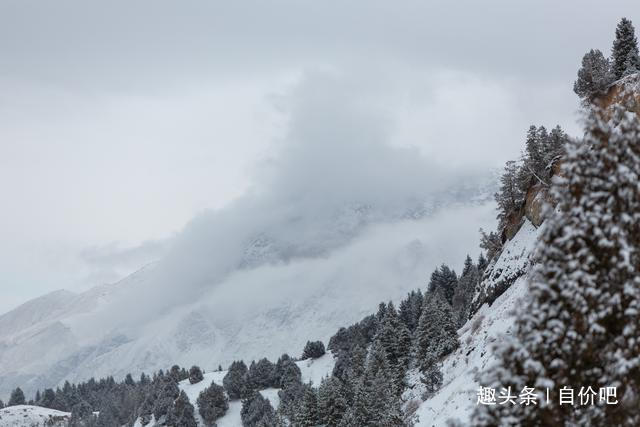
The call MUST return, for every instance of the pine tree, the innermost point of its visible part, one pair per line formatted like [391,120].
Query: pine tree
[631,64]
[376,401]
[463,295]
[436,335]
[17,397]
[236,382]
[410,309]
[167,392]
[394,338]
[582,324]
[443,280]
[195,375]
[625,47]
[594,77]
[308,412]
[313,350]
[332,401]
[261,374]
[181,412]
[257,411]
[212,403]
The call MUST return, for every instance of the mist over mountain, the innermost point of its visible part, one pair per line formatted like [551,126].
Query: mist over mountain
[336,195]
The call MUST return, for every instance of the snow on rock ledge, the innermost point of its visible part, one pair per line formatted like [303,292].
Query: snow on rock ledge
[513,262]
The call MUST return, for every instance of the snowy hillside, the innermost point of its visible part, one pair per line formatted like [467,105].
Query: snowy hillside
[229,290]
[457,397]
[313,370]
[32,416]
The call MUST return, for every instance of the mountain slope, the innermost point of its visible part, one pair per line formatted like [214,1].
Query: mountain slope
[263,293]
[457,397]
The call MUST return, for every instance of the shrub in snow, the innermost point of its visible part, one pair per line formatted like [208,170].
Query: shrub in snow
[195,375]
[313,350]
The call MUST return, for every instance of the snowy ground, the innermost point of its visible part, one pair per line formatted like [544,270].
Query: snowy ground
[457,397]
[32,416]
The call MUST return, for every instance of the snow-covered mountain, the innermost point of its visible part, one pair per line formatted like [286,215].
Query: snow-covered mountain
[279,282]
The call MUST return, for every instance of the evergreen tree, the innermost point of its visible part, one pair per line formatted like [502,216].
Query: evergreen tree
[443,280]
[195,375]
[287,372]
[107,416]
[81,415]
[491,243]
[308,413]
[393,337]
[376,400]
[594,77]
[212,403]
[625,49]
[236,381]
[17,397]
[482,263]
[332,401]
[262,374]
[463,295]
[48,398]
[581,326]
[436,335]
[257,411]
[313,350]
[410,309]
[167,392]
[1,404]
[181,413]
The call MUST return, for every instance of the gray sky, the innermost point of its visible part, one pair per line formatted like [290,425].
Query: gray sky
[120,121]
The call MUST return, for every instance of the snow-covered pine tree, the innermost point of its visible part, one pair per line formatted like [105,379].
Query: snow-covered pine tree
[212,403]
[332,401]
[262,374]
[410,309]
[181,412]
[395,340]
[594,77]
[307,415]
[625,47]
[195,375]
[17,397]
[510,195]
[236,382]
[436,335]
[443,280]
[582,324]
[376,401]
[257,411]
[168,391]
[632,63]
[313,350]
[464,291]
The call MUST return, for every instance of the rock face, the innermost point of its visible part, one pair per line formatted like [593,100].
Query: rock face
[536,199]
[619,92]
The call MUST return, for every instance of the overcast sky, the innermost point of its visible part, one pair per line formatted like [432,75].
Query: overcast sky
[122,120]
